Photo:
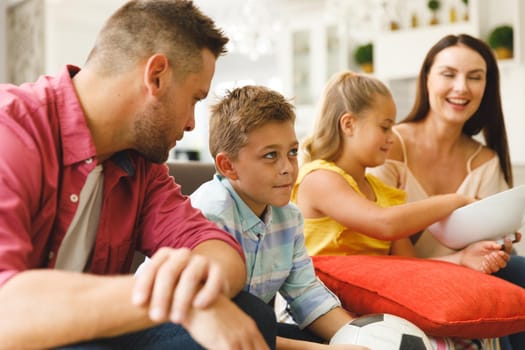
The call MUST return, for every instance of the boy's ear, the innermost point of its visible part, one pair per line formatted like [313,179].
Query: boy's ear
[156,74]
[347,123]
[225,166]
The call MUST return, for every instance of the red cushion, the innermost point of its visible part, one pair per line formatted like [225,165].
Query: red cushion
[443,299]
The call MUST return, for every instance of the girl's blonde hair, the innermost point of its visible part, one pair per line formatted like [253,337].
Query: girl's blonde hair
[345,92]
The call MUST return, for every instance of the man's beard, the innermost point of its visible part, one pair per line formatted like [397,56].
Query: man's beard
[151,138]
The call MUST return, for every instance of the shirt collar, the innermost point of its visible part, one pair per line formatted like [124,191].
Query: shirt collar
[249,221]
[122,159]
[77,143]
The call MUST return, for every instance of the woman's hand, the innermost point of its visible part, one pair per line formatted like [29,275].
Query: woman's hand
[484,256]
[507,242]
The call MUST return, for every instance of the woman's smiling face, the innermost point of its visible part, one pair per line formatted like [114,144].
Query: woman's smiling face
[456,83]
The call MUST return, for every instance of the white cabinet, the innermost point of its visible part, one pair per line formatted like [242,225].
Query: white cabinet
[301,72]
[312,50]
[315,52]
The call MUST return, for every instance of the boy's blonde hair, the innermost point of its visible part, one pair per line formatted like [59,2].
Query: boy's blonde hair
[241,111]
[345,92]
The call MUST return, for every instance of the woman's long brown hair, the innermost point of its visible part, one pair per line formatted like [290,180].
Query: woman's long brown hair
[489,116]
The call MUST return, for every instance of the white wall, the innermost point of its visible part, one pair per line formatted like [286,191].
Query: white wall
[71,28]
[513,97]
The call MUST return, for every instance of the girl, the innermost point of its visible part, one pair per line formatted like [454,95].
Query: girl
[357,213]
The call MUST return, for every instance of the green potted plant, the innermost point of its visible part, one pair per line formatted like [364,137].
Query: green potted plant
[433,6]
[364,57]
[465,16]
[501,40]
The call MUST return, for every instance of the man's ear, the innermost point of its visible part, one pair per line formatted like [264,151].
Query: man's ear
[347,123]
[157,74]
[225,166]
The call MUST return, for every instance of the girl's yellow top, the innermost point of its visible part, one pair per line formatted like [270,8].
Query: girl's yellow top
[325,236]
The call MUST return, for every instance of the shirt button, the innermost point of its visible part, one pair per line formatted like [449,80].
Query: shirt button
[51,255]
[73,198]
[89,161]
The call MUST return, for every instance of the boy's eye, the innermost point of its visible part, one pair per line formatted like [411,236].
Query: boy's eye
[293,152]
[270,155]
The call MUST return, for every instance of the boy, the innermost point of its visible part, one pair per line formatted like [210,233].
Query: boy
[253,142]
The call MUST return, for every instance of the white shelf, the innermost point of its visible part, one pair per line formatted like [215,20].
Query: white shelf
[399,54]
[510,12]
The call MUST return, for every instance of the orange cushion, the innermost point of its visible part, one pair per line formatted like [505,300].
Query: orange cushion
[443,299]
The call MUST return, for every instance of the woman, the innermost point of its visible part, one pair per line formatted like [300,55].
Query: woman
[436,151]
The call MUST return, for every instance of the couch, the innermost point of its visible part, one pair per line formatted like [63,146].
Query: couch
[190,174]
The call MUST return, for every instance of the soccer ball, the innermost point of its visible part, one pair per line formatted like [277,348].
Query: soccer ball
[382,332]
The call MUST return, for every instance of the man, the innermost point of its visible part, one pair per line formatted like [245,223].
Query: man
[83,186]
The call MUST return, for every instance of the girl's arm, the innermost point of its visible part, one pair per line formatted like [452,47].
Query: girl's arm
[340,202]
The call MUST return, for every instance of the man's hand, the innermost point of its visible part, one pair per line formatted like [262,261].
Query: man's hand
[175,281]
[224,326]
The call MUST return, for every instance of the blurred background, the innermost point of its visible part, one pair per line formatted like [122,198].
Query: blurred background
[292,46]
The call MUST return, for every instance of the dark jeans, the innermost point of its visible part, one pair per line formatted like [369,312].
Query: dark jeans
[514,272]
[173,336]
[292,331]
